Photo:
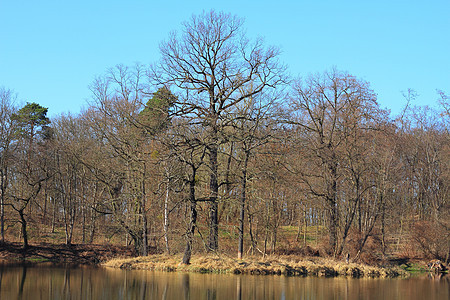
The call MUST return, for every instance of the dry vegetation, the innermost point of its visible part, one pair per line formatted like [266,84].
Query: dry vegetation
[270,265]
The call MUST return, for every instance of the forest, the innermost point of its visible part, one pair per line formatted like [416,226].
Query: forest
[217,148]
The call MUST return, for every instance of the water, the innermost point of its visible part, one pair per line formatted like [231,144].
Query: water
[50,282]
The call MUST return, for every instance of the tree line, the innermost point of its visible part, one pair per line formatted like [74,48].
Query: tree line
[215,147]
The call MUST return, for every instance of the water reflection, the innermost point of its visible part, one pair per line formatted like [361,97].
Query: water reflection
[50,282]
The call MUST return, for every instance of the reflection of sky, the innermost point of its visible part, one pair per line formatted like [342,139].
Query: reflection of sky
[50,51]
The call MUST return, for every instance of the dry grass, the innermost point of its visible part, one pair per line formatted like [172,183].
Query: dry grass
[271,265]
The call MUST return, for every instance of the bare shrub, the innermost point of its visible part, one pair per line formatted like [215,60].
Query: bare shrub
[370,254]
[296,250]
[431,239]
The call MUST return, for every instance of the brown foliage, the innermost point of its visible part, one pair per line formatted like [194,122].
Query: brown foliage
[431,239]
[371,253]
[297,250]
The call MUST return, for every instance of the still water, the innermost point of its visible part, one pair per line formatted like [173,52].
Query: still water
[50,282]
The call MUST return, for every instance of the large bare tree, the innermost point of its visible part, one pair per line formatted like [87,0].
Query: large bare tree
[214,67]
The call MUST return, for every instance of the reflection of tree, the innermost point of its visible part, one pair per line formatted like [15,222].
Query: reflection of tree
[166,287]
[211,294]
[239,288]
[82,282]
[22,282]
[125,282]
[185,286]
[143,288]
[435,276]
[66,287]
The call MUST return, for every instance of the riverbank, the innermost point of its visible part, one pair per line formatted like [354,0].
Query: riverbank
[61,253]
[271,265]
[123,257]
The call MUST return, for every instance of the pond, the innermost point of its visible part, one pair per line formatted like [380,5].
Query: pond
[53,282]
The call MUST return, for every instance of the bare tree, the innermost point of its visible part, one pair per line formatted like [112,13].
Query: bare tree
[330,110]
[118,101]
[7,109]
[250,128]
[444,102]
[29,164]
[214,67]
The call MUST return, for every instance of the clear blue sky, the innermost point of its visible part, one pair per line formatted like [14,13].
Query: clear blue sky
[50,51]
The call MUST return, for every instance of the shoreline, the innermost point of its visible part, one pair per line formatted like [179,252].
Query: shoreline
[120,257]
[271,265]
[75,254]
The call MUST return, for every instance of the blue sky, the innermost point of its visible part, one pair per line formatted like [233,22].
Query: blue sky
[50,51]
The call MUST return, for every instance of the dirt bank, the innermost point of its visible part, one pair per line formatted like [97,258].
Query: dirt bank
[73,254]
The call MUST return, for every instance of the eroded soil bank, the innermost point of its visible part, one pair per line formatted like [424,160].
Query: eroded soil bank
[61,253]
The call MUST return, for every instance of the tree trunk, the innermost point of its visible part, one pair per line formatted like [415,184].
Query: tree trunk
[2,219]
[144,217]
[144,234]
[44,214]
[383,224]
[332,206]
[242,212]
[305,226]
[333,220]
[166,217]
[192,223]
[250,231]
[24,232]
[274,239]
[213,206]
[93,215]
[349,222]
[224,207]
[83,227]
[92,229]
[190,234]
[69,220]
[2,203]
[54,216]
